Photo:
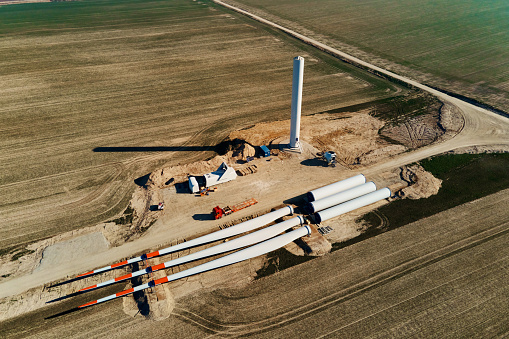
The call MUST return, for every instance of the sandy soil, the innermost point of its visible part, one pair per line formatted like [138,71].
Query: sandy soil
[72,249]
[421,278]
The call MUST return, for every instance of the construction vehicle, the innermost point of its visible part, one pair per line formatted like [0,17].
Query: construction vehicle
[206,190]
[219,212]
[330,158]
[160,206]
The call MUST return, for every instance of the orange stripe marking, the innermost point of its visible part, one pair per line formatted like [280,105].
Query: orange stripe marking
[153,254]
[119,264]
[84,274]
[158,267]
[161,281]
[88,304]
[88,288]
[127,276]
[119,294]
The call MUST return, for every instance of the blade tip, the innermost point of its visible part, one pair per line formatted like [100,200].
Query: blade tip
[88,304]
[87,288]
[84,274]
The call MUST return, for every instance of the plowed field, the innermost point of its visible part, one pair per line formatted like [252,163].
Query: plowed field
[94,94]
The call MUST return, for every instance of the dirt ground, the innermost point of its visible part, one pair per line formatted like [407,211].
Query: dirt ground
[442,274]
[293,174]
[68,164]
[352,134]
[283,178]
[355,137]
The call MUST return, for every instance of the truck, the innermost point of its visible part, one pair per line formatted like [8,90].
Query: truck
[219,212]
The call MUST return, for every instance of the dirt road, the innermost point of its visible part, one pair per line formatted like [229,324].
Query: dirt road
[482,127]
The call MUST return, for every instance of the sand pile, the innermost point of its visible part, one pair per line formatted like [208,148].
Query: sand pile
[244,151]
[154,304]
[422,184]
[354,136]
[451,120]
[174,174]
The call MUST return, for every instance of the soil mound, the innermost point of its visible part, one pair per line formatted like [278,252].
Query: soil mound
[421,184]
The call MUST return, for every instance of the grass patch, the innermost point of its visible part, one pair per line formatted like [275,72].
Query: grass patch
[396,110]
[127,218]
[280,260]
[441,165]
[466,177]
[447,41]
[399,109]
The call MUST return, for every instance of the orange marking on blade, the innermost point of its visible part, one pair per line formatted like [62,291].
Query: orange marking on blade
[158,267]
[153,254]
[88,304]
[119,264]
[84,274]
[161,281]
[127,276]
[119,294]
[87,288]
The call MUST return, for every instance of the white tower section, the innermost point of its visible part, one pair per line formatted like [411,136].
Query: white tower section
[298,76]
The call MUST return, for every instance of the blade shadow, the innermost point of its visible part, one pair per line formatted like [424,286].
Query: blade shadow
[70,295]
[71,280]
[72,310]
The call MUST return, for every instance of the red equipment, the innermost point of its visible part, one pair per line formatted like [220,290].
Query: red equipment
[219,212]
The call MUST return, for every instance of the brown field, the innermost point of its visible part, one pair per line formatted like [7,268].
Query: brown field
[443,275]
[97,93]
[161,84]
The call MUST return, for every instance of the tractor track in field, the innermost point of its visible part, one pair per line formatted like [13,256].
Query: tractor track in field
[118,169]
[338,297]
[481,127]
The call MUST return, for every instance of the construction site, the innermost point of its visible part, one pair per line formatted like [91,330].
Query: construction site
[199,206]
[281,223]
